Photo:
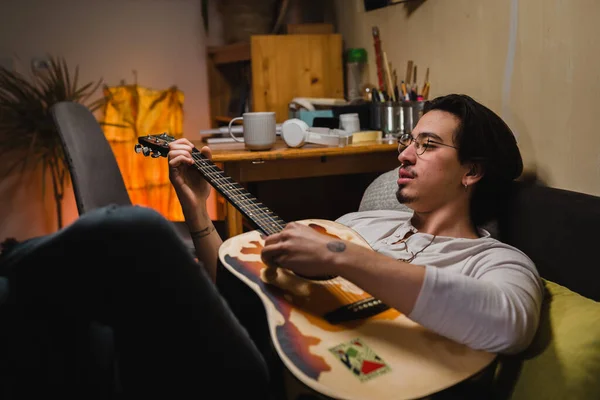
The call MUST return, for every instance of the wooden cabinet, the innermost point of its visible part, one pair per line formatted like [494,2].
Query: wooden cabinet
[275,69]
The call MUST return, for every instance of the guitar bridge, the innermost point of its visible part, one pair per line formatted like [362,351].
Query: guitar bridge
[359,310]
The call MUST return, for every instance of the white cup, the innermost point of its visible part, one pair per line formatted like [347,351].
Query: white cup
[259,130]
[350,122]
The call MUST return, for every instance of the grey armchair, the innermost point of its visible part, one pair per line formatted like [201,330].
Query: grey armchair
[97,180]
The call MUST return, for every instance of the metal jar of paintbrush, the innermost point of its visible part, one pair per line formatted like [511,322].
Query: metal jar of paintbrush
[395,109]
[396,118]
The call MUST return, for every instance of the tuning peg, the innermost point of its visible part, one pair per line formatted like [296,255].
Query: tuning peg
[155,155]
[142,149]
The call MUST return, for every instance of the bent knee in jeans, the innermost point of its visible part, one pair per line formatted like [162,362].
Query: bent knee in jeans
[124,219]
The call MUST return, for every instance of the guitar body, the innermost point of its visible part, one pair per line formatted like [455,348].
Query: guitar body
[339,341]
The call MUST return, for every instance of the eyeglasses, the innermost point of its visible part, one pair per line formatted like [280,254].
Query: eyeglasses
[422,143]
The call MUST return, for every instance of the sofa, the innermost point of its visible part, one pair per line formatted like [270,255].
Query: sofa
[558,230]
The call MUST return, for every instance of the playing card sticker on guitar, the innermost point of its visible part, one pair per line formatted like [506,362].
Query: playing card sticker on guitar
[361,360]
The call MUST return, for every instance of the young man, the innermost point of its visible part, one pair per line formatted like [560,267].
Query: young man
[433,264]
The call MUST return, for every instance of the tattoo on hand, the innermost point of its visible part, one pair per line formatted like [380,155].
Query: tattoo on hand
[336,247]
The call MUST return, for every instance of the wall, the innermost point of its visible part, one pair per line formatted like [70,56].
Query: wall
[534,62]
[27,205]
[163,40]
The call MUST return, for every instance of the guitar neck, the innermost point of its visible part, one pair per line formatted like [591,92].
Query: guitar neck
[256,212]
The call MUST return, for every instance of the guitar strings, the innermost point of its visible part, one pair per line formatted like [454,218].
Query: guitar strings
[250,204]
[348,298]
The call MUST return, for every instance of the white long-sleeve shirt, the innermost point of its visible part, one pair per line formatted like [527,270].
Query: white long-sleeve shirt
[479,292]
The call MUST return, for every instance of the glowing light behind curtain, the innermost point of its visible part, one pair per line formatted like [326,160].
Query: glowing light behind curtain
[144,111]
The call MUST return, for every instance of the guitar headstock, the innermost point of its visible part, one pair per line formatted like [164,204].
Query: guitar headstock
[154,145]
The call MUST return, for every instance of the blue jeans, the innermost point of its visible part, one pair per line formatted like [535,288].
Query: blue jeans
[125,268]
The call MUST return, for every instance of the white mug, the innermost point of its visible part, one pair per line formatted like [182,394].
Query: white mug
[259,130]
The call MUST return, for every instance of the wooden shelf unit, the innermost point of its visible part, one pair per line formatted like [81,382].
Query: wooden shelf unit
[278,68]
[230,53]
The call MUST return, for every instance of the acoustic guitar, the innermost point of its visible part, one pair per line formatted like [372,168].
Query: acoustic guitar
[330,334]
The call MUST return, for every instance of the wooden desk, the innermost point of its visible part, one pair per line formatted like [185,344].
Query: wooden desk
[309,161]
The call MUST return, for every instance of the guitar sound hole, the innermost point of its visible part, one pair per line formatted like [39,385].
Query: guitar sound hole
[318,277]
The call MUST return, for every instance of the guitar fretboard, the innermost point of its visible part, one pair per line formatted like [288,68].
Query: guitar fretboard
[260,216]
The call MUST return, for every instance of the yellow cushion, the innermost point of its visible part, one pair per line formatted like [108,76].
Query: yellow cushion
[563,362]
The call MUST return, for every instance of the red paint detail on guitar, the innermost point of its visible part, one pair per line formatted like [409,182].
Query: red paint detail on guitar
[370,366]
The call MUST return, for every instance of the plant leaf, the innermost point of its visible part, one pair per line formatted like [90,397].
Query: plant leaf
[26,124]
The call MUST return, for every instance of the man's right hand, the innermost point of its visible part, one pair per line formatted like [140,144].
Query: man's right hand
[191,188]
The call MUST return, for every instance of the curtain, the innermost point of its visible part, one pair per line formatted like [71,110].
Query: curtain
[131,111]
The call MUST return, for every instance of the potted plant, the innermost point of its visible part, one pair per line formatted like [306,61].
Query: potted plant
[26,126]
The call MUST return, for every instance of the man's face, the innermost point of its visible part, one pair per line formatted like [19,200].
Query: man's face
[434,178]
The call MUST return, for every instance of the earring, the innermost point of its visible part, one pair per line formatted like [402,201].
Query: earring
[466,187]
